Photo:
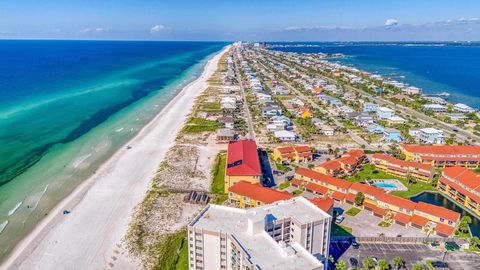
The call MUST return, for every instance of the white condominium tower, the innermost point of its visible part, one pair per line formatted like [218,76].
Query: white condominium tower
[292,234]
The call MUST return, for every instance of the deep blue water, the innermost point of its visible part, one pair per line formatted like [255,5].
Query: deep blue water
[53,92]
[455,69]
[438,199]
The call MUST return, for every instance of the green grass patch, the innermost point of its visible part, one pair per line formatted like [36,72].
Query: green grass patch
[429,265]
[353,211]
[384,224]
[369,172]
[218,174]
[169,251]
[297,192]
[284,185]
[460,234]
[195,125]
[340,230]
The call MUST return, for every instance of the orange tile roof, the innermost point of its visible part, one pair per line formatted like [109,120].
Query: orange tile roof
[331,165]
[402,218]
[398,201]
[419,220]
[286,150]
[444,229]
[399,162]
[339,196]
[324,203]
[350,197]
[464,176]
[437,211]
[443,149]
[324,178]
[460,189]
[303,148]
[317,188]
[259,193]
[297,182]
[375,209]
[368,190]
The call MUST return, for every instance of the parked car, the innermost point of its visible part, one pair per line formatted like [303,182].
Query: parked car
[439,264]
[355,245]
[339,219]
[353,262]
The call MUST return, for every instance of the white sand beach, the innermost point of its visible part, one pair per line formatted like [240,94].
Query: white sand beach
[90,237]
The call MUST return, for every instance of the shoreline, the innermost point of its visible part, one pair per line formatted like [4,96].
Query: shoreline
[106,200]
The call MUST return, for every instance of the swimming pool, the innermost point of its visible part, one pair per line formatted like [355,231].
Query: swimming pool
[385,185]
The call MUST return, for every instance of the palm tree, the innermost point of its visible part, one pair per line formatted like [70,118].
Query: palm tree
[383,264]
[340,265]
[368,263]
[359,198]
[398,262]
[418,267]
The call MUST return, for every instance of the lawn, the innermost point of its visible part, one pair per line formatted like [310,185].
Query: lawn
[196,124]
[340,230]
[284,185]
[218,178]
[369,172]
[297,192]
[352,211]
[384,224]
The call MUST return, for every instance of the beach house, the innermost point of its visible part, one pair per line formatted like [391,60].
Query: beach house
[242,163]
[463,108]
[385,113]
[370,107]
[431,136]
[392,135]
[296,154]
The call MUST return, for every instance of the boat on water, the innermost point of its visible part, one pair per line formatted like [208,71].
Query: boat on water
[3,225]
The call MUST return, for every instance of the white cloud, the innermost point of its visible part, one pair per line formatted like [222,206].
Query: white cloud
[391,22]
[98,30]
[158,28]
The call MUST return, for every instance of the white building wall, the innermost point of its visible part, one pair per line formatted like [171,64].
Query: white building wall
[211,251]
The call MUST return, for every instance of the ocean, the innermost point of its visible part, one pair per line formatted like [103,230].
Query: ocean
[434,67]
[67,106]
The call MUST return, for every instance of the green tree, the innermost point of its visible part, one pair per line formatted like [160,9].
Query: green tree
[340,265]
[411,179]
[368,263]
[418,267]
[464,224]
[359,198]
[475,241]
[383,264]
[398,262]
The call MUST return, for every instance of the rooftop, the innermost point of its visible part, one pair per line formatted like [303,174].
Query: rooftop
[242,158]
[443,149]
[259,193]
[264,251]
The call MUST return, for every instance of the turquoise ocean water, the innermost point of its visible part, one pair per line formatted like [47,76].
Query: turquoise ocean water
[67,106]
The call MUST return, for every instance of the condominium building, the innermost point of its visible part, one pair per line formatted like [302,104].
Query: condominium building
[429,218]
[242,163]
[462,186]
[401,168]
[247,195]
[349,163]
[443,155]
[292,234]
[293,154]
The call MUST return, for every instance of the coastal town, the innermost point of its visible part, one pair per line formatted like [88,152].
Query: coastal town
[323,166]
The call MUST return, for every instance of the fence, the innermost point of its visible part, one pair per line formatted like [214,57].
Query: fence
[392,239]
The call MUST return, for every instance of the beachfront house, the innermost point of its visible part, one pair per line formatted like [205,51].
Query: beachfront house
[463,108]
[242,163]
[285,135]
[375,129]
[435,108]
[385,113]
[392,135]
[396,120]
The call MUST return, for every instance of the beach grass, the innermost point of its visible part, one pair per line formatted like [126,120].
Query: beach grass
[196,124]
[211,107]
[170,251]
[218,178]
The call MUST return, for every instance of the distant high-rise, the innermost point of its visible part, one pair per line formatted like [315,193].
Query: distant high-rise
[291,234]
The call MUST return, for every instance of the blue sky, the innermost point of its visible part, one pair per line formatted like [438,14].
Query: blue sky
[309,20]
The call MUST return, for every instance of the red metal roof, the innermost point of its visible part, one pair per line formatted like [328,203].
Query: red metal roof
[242,159]
[259,193]
[438,211]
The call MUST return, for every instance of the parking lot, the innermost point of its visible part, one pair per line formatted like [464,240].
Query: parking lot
[410,253]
